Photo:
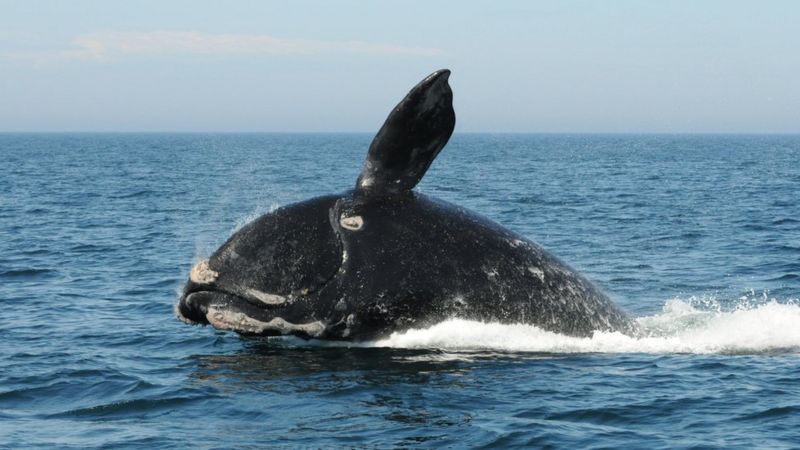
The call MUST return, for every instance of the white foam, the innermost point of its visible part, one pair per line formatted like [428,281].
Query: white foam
[682,327]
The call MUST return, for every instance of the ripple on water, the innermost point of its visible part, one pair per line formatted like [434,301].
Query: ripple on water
[28,274]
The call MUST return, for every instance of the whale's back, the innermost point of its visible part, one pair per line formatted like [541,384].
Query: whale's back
[425,260]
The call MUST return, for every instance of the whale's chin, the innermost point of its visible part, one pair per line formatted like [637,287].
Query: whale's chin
[229,312]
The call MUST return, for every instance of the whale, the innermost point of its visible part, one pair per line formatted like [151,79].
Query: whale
[382,258]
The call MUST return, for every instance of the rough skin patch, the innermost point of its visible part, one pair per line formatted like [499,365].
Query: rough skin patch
[514,243]
[537,272]
[202,274]
[269,299]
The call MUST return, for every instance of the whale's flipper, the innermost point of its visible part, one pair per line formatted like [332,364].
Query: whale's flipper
[414,133]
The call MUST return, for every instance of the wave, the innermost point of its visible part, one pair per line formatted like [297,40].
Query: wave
[683,326]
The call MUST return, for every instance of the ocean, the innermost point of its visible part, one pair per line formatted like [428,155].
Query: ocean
[696,236]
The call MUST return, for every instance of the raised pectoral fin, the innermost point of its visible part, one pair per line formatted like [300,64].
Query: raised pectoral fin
[414,133]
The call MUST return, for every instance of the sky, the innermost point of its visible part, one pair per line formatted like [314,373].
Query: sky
[517,66]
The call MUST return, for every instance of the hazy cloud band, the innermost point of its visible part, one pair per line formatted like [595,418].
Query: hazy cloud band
[109,45]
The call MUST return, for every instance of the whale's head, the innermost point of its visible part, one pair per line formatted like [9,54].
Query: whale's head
[265,278]
[281,273]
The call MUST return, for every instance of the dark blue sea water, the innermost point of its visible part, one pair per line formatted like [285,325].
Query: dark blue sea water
[696,236]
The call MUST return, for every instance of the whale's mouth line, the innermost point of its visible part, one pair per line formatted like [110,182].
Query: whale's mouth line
[253,296]
[231,312]
[197,301]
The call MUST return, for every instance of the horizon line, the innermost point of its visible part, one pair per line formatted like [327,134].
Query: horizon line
[686,133]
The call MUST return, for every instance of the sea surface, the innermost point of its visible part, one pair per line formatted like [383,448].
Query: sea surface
[698,237]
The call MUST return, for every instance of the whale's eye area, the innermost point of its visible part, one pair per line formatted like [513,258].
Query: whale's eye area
[352,223]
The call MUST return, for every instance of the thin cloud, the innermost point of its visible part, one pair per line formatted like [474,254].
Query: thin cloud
[111,45]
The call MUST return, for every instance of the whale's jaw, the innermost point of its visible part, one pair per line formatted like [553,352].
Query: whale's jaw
[246,311]
[225,311]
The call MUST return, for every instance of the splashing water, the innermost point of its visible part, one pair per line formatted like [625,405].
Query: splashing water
[682,327]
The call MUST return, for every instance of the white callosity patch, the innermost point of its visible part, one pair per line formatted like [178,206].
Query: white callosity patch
[349,323]
[539,273]
[514,243]
[352,223]
[202,274]
[236,321]
[263,297]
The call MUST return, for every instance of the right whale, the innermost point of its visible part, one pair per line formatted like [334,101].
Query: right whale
[383,258]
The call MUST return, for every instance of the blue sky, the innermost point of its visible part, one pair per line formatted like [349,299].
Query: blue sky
[521,66]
